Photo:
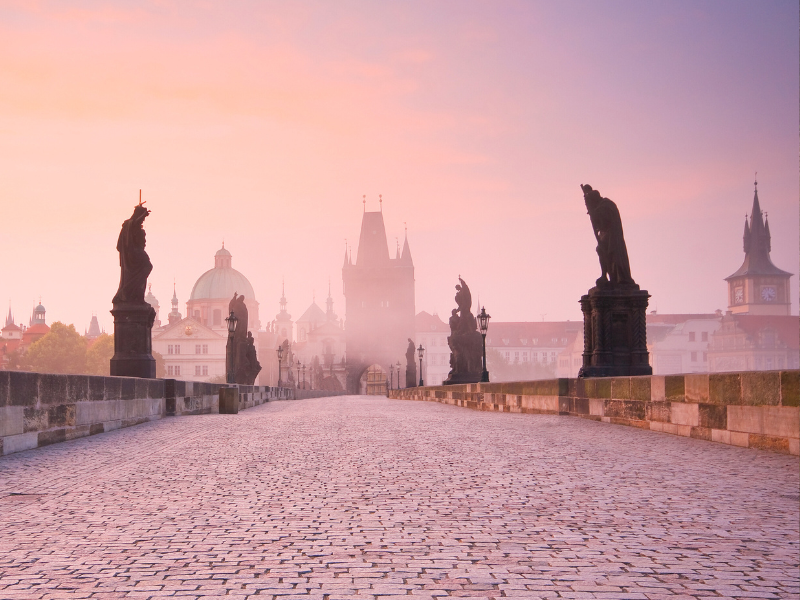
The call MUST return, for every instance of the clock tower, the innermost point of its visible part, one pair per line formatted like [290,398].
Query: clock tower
[758,287]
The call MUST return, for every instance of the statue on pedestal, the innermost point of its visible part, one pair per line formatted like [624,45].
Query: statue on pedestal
[411,365]
[614,311]
[242,345]
[465,341]
[133,316]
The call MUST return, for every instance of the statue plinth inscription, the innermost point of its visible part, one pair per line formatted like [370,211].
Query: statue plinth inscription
[615,310]
[133,317]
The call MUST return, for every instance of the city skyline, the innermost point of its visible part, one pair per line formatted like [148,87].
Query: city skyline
[264,127]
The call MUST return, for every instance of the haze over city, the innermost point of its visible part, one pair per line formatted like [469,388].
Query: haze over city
[264,124]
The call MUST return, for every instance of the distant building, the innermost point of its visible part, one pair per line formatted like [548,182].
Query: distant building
[152,301]
[320,347]
[533,347]
[431,332]
[379,295]
[37,327]
[94,331]
[758,332]
[758,287]
[679,343]
[194,347]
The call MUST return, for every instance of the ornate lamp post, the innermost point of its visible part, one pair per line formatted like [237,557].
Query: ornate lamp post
[304,376]
[483,320]
[280,356]
[391,376]
[298,375]
[231,321]
[398,374]
[420,351]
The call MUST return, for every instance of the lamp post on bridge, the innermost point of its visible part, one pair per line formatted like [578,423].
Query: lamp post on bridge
[298,375]
[280,356]
[231,321]
[391,376]
[304,376]
[483,320]
[420,351]
[398,374]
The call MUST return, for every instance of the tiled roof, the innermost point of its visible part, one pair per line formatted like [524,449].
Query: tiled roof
[425,322]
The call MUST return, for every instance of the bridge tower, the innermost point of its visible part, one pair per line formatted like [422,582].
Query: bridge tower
[379,302]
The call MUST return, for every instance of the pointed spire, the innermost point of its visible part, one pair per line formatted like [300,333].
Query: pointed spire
[10,317]
[746,236]
[329,303]
[767,236]
[345,253]
[405,257]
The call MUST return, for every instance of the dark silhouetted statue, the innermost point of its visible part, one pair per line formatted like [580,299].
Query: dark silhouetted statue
[614,311]
[242,345]
[133,317]
[465,341]
[611,249]
[135,265]
[411,365]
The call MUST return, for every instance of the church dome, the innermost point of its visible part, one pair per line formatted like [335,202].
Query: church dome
[222,281]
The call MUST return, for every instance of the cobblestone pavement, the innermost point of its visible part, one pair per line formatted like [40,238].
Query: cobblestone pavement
[364,497]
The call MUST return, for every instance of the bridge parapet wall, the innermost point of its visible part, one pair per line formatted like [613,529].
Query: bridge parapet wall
[755,409]
[38,409]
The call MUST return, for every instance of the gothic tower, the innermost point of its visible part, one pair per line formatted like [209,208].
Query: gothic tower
[379,302]
[758,287]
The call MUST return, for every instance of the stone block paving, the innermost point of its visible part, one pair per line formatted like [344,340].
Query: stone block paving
[368,498]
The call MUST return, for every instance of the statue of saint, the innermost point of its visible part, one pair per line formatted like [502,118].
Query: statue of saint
[135,265]
[611,249]
[464,339]
[411,364]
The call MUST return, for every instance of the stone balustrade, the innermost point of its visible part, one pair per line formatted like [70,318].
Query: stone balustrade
[755,409]
[37,409]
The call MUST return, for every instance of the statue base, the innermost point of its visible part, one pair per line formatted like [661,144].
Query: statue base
[133,345]
[615,332]
[456,378]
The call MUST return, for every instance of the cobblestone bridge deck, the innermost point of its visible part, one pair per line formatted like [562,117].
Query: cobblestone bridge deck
[364,497]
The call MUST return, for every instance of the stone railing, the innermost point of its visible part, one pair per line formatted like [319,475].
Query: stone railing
[38,409]
[755,409]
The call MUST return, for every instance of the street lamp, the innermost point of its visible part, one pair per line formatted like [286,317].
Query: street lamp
[398,374]
[231,321]
[304,377]
[280,356]
[298,375]
[483,320]
[391,376]
[420,351]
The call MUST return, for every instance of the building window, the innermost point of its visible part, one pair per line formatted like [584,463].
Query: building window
[217,317]
[205,348]
[205,369]
[169,349]
[534,356]
[704,336]
[691,336]
[197,349]
[170,369]
[508,356]
[694,356]
[552,357]
[705,356]
[197,369]
[177,348]
[524,357]
[177,369]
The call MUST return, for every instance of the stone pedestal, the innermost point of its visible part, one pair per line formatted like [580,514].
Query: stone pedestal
[133,346]
[229,400]
[615,332]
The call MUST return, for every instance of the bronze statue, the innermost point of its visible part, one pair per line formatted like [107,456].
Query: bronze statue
[135,265]
[465,341]
[611,249]
[411,365]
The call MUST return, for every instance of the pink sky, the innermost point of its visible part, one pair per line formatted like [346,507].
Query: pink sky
[264,123]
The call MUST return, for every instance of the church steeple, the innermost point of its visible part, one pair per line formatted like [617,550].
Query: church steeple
[758,286]
[174,316]
[9,317]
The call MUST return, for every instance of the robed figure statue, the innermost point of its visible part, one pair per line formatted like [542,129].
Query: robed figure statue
[464,339]
[133,316]
[135,265]
[611,249]
[242,345]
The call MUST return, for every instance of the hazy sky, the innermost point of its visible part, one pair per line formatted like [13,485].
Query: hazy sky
[264,123]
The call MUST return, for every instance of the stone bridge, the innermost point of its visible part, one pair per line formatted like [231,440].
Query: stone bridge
[356,497]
